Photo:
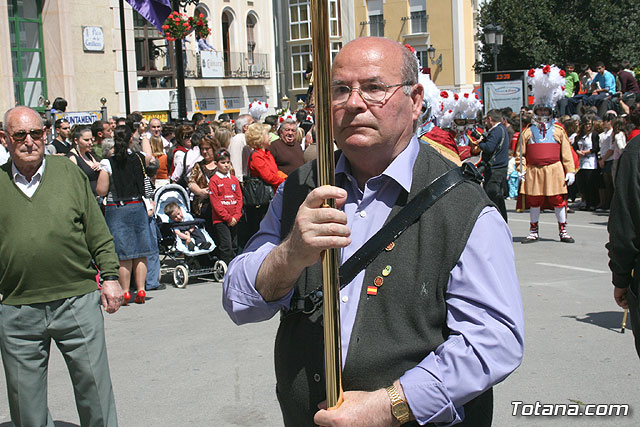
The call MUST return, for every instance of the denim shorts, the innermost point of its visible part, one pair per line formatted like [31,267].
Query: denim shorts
[129,227]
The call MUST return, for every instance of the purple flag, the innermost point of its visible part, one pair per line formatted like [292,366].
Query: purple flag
[154,11]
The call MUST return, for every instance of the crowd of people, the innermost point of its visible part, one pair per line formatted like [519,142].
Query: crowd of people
[233,171]
[127,159]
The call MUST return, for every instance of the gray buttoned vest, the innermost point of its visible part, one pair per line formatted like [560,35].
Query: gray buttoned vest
[395,329]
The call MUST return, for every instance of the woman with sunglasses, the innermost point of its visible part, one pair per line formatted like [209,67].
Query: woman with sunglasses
[82,155]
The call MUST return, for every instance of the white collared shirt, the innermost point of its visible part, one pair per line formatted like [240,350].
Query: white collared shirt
[26,186]
[223,175]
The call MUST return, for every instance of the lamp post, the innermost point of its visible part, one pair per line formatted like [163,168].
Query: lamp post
[493,35]
[285,103]
[431,51]
[182,101]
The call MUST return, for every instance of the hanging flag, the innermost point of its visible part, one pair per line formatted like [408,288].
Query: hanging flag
[154,11]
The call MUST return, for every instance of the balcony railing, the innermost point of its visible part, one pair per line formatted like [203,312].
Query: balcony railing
[227,65]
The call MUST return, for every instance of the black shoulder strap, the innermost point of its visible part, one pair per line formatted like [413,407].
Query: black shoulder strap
[390,232]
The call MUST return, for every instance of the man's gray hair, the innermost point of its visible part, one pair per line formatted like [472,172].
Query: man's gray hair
[8,112]
[409,70]
[287,122]
[242,121]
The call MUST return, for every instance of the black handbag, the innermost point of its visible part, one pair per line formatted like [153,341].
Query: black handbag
[255,192]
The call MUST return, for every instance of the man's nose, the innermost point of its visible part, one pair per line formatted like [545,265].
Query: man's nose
[355,100]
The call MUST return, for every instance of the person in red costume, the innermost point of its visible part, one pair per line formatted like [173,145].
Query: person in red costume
[545,152]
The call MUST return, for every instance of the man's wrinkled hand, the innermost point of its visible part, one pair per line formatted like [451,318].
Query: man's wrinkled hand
[359,409]
[111,296]
[317,228]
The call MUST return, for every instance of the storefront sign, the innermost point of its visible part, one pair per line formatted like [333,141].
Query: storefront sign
[207,104]
[163,116]
[80,117]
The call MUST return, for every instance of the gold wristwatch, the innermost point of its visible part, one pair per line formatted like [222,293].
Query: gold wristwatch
[399,407]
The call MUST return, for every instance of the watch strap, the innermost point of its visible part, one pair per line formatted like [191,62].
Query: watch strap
[396,400]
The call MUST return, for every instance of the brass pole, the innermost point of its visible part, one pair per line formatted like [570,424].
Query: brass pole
[326,176]
[624,320]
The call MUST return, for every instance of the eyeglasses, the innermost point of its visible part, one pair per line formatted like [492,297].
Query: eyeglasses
[372,93]
[187,135]
[21,135]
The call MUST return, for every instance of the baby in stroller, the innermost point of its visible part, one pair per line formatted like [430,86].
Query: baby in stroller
[191,236]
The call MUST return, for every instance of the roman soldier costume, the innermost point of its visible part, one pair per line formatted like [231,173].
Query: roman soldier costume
[544,151]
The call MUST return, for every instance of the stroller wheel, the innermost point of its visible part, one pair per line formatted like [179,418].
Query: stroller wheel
[181,276]
[219,270]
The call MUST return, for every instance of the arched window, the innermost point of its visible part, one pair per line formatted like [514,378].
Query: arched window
[251,39]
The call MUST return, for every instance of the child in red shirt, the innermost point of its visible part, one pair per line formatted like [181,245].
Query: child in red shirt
[225,195]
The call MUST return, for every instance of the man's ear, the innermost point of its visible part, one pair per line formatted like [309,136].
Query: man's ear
[4,139]
[417,94]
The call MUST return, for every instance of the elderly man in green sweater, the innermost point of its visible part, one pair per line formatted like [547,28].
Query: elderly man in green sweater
[52,233]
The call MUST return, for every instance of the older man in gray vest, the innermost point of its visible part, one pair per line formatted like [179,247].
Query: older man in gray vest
[435,320]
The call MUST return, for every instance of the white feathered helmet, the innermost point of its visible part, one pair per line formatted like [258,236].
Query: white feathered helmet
[547,86]
[257,109]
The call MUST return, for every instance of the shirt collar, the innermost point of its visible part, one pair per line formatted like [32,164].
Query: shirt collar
[15,172]
[400,169]
[223,175]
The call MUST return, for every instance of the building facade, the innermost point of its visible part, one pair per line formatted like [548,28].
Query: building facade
[293,41]
[72,49]
[448,26]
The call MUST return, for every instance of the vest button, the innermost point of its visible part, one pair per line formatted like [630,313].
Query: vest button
[363,214]
[316,377]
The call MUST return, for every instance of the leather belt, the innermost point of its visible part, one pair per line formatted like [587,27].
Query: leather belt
[124,202]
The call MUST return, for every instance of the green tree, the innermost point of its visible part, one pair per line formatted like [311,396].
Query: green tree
[558,31]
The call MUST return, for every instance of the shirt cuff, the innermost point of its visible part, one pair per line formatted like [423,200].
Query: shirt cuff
[427,396]
[241,300]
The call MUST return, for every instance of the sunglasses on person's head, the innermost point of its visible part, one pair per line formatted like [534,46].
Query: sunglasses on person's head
[21,135]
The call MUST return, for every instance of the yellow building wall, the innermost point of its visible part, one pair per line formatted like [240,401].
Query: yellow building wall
[440,28]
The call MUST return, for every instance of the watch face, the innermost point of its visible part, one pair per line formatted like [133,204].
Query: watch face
[400,410]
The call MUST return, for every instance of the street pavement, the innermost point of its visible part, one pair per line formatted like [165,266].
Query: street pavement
[179,361]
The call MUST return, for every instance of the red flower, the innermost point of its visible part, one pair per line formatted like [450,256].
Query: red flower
[165,27]
[441,106]
[450,111]
[546,69]
[281,119]
[477,97]
[532,72]
[266,105]
[466,95]
[562,73]
[202,15]
[455,96]
[562,87]
[250,105]
[444,94]
[200,24]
